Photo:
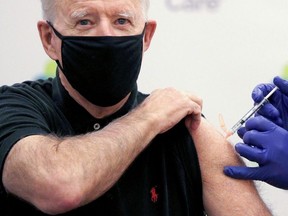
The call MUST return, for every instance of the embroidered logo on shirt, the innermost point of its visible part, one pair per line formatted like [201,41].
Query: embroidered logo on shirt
[154,194]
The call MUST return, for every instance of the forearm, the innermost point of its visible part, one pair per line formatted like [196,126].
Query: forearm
[57,175]
[223,195]
[79,168]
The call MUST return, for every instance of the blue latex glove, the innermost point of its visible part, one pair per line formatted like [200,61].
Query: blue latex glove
[277,109]
[267,144]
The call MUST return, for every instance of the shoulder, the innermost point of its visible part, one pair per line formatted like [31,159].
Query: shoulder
[29,101]
[45,85]
[37,86]
[28,90]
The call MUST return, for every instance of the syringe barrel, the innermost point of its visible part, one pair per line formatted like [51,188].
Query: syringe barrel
[252,111]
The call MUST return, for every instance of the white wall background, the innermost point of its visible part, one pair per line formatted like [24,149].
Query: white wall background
[219,49]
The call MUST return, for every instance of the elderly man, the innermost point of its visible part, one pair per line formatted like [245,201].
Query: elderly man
[88,143]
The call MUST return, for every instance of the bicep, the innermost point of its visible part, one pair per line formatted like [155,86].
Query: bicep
[222,195]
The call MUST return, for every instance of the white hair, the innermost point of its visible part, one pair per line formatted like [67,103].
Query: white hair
[145,8]
[49,9]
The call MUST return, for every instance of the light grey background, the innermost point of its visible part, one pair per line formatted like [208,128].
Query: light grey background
[217,49]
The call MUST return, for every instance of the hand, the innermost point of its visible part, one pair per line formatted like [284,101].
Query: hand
[267,144]
[277,109]
[169,106]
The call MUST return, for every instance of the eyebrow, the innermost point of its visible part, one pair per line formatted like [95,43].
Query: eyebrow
[126,14]
[79,13]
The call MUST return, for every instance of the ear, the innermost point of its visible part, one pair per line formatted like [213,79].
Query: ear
[48,39]
[149,32]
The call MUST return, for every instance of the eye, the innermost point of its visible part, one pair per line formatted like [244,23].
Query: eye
[84,22]
[121,21]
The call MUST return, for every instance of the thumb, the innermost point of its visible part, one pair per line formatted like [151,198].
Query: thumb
[242,172]
[192,122]
[282,84]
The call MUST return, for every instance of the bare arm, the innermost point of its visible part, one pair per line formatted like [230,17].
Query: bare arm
[59,174]
[223,195]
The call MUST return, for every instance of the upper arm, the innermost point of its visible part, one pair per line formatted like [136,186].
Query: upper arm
[24,112]
[223,195]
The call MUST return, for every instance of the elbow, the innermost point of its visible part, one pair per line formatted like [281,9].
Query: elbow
[59,200]
[58,207]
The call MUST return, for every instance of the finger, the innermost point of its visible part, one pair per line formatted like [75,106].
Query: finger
[242,172]
[195,111]
[241,132]
[276,120]
[193,121]
[260,91]
[196,99]
[195,114]
[260,131]
[269,111]
[194,117]
[251,153]
[259,123]
[282,84]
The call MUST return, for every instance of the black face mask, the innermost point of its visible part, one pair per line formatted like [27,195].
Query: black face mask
[103,69]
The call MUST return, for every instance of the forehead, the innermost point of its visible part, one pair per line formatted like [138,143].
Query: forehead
[70,7]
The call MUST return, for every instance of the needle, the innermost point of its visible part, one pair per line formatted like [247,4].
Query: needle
[252,111]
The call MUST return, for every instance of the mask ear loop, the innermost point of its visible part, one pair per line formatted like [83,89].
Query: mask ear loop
[55,31]
[144,29]
[60,37]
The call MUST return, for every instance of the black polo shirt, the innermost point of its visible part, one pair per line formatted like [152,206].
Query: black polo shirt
[164,179]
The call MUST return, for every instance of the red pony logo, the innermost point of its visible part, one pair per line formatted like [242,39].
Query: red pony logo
[154,195]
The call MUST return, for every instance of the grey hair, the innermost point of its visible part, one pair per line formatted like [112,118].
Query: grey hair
[49,9]
[145,8]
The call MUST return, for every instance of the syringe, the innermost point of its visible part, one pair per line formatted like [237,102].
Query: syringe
[252,111]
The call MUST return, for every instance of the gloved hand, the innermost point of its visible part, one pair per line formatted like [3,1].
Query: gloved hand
[277,109]
[267,144]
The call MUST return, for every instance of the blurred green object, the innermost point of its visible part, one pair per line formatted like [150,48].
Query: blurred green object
[50,69]
[284,74]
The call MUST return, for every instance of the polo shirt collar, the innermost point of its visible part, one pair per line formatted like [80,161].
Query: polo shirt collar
[80,120]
